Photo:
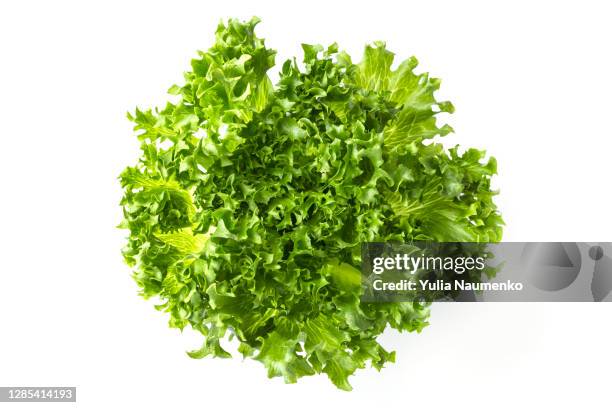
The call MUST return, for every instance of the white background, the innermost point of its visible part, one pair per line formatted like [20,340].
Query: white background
[531,82]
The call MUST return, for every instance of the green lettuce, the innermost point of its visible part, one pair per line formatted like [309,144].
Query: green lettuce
[247,209]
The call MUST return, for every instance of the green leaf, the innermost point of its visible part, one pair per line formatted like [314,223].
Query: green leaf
[339,368]
[344,275]
[278,354]
[209,348]
[184,240]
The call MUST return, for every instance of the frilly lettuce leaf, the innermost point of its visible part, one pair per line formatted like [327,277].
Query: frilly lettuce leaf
[250,201]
